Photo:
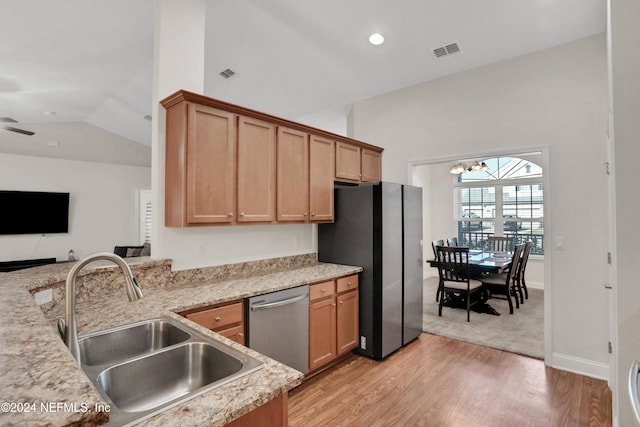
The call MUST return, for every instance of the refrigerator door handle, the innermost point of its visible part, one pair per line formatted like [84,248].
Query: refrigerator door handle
[633,388]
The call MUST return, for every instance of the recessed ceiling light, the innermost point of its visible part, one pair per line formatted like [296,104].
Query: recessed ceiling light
[376,39]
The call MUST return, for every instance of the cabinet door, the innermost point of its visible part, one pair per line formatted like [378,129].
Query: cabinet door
[292,175]
[347,321]
[371,165]
[322,332]
[347,162]
[256,170]
[211,160]
[321,175]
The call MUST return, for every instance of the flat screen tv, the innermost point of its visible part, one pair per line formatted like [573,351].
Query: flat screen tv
[33,212]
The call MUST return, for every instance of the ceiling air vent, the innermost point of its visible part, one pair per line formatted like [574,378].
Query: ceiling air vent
[449,49]
[227,73]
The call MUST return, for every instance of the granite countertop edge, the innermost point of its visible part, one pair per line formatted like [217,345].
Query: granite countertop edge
[36,368]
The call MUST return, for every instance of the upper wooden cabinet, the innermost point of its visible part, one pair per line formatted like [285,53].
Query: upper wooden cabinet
[371,165]
[256,170]
[201,165]
[357,164]
[227,164]
[293,175]
[321,174]
[305,177]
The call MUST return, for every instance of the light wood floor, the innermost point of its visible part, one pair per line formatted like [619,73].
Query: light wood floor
[436,381]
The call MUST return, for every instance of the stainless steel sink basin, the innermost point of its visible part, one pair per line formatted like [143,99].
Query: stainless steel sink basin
[144,368]
[148,382]
[128,341]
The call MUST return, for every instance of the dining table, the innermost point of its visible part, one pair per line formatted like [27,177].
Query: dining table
[483,262]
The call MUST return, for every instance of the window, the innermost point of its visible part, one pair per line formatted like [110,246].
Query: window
[507,199]
[145,216]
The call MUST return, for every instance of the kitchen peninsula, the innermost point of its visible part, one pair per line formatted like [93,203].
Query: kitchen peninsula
[37,369]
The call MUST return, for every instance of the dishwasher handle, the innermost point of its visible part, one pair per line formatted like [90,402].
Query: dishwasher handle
[280,303]
[633,388]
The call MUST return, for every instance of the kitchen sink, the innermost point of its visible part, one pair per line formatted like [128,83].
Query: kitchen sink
[128,341]
[144,368]
[149,382]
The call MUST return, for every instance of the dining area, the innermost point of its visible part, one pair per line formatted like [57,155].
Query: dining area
[470,277]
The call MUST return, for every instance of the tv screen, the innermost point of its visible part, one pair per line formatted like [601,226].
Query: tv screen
[33,212]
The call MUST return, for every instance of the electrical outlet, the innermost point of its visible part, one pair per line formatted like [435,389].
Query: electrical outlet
[202,248]
[43,297]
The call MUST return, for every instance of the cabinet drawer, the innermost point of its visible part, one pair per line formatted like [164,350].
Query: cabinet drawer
[219,317]
[321,290]
[235,333]
[347,283]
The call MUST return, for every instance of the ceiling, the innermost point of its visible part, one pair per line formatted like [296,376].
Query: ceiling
[79,72]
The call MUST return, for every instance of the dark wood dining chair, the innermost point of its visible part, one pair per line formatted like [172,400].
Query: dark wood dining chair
[455,281]
[452,241]
[521,284]
[504,283]
[434,244]
[500,243]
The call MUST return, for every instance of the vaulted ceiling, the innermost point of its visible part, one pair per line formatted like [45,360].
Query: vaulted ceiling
[78,73]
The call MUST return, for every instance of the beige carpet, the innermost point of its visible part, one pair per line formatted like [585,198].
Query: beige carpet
[521,332]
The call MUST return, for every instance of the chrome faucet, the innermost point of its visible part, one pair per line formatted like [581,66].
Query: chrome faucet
[67,327]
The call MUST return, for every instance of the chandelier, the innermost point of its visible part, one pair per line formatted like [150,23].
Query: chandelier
[459,168]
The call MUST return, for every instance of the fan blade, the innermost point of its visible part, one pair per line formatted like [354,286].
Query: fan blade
[22,131]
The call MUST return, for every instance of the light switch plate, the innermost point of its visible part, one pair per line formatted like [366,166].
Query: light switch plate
[558,243]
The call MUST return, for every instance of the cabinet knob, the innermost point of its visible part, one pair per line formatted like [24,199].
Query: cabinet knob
[306,214]
[241,335]
[341,302]
[333,305]
[230,214]
[323,290]
[348,283]
[241,213]
[217,319]
[313,214]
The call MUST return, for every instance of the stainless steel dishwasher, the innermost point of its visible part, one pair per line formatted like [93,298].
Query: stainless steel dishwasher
[279,326]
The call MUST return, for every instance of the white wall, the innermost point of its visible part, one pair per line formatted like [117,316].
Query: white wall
[201,246]
[102,205]
[625,97]
[555,99]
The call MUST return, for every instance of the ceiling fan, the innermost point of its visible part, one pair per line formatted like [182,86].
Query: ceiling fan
[3,126]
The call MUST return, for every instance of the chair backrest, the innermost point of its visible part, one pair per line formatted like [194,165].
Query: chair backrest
[514,270]
[500,243]
[453,263]
[452,241]
[434,244]
[525,257]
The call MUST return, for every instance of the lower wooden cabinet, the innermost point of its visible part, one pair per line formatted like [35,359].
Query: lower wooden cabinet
[225,319]
[272,414]
[333,320]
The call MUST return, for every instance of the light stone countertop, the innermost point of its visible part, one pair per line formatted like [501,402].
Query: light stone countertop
[37,369]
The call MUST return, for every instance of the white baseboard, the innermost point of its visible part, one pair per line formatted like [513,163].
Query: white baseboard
[580,366]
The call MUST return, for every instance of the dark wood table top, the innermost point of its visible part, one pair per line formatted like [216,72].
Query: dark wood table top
[485,261]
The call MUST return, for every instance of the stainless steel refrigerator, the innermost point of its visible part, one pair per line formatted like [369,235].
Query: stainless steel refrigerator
[378,226]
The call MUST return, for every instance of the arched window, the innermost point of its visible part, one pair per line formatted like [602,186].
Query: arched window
[504,199]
